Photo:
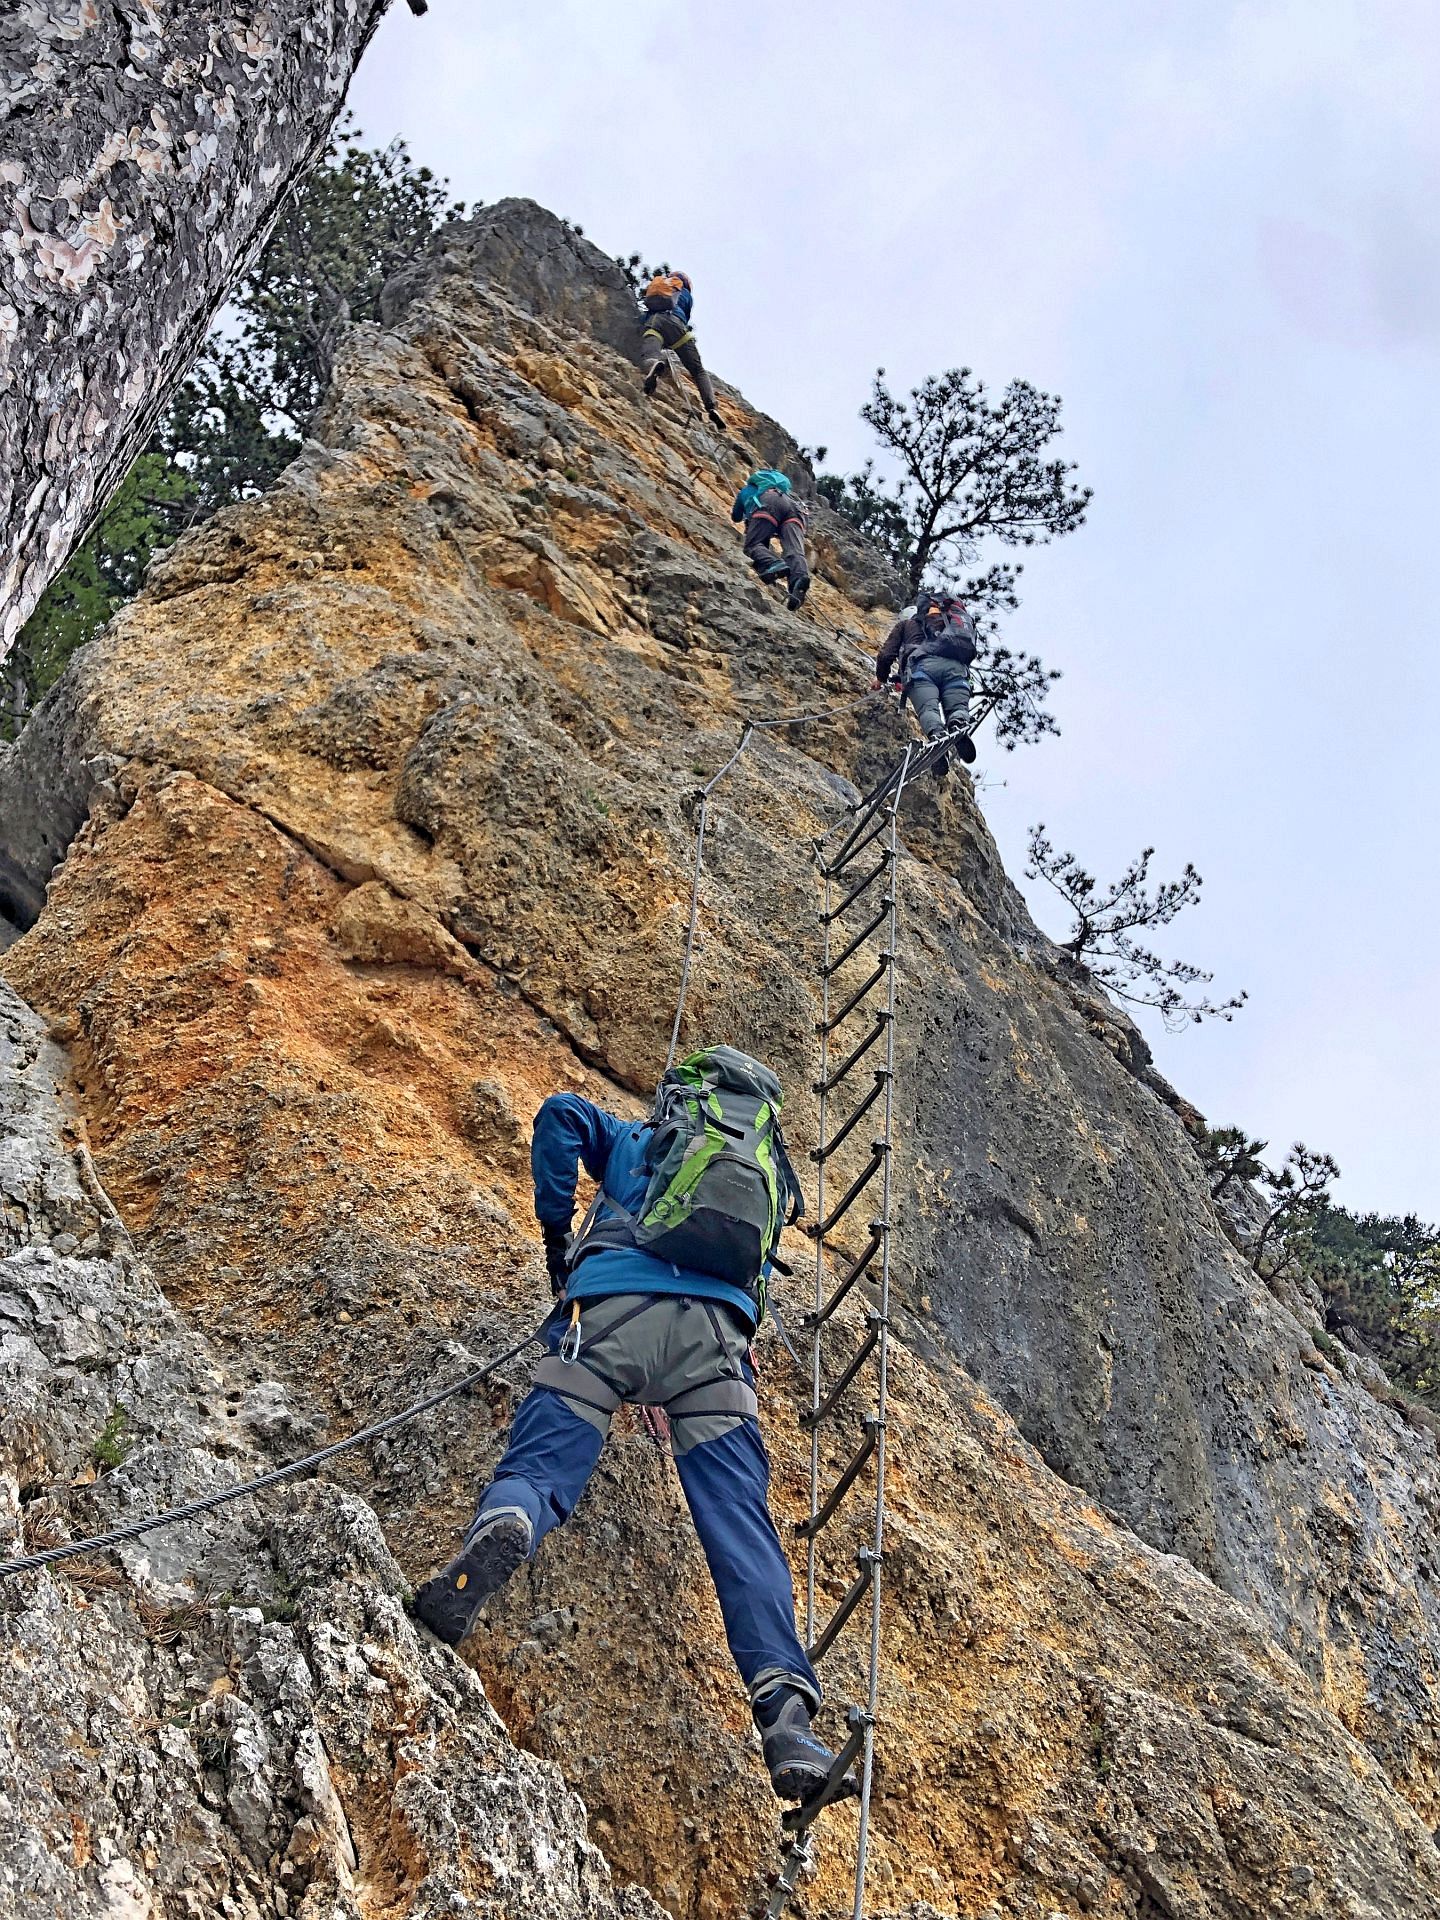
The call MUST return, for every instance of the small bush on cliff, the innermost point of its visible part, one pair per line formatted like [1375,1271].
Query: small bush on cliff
[235,421]
[1378,1275]
[111,1448]
[1295,1198]
[1231,1158]
[1107,919]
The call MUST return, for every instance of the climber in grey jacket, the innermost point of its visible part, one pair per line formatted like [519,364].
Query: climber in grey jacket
[933,649]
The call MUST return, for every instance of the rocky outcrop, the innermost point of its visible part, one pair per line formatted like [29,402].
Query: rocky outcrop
[387,796]
[237,1718]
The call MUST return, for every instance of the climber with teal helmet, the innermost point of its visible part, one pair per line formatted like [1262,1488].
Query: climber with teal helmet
[770,511]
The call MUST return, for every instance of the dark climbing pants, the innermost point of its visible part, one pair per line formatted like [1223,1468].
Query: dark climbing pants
[689,1356]
[664,330]
[776,518]
[939,691]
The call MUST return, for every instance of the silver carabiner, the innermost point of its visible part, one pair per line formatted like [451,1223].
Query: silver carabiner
[570,1339]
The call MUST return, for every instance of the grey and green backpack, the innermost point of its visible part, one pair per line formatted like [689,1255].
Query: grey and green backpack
[721,1185]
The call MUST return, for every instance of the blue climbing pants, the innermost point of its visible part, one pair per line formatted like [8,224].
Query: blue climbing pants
[690,1357]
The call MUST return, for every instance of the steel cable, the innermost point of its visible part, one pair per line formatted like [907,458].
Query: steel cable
[25,1563]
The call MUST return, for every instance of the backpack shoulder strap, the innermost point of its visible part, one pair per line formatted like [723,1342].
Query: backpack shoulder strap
[796,1197]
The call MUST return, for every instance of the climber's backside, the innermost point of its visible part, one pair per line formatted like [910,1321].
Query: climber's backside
[932,648]
[668,301]
[770,511]
[660,1294]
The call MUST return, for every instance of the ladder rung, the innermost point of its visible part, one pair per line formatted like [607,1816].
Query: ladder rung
[882,1018]
[806,1529]
[855,846]
[860,938]
[829,1026]
[814,1415]
[868,1561]
[821,1154]
[817,1319]
[856,891]
[874,801]
[878,1151]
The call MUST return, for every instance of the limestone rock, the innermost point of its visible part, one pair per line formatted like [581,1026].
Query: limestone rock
[376,926]
[239,1719]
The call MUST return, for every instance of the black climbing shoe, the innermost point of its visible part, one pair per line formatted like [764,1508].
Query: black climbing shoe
[775,571]
[652,380]
[795,599]
[940,766]
[798,1763]
[448,1604]
[717,419]
[965,747]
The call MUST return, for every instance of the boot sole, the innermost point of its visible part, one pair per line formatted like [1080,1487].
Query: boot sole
[803,1783]
[450,1603]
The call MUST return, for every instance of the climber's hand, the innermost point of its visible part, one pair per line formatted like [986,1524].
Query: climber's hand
[557,1248]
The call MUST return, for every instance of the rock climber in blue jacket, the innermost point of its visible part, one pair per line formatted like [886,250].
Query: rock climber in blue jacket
[661,1335]
[767,506]
[667,303]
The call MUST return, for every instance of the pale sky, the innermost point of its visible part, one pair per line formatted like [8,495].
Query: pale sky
[1214,229]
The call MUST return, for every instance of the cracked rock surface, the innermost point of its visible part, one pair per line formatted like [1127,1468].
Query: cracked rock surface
[369,825]
[234,1718]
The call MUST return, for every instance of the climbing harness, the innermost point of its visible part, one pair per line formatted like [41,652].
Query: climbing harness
[26,1563]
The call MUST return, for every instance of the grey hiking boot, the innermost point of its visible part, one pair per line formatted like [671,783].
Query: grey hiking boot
[798,1763]
[448,1604]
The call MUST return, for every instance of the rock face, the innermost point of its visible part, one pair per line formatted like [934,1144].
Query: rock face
[238,1718]
[377,820]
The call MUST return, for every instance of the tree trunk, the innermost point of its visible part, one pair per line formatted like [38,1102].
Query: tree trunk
[146,147]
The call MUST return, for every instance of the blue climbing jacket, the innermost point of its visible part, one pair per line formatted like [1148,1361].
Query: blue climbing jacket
[761,481]
[684,301]
[571,1132]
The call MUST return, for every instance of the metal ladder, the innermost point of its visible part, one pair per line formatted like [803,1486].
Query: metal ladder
[859,903]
